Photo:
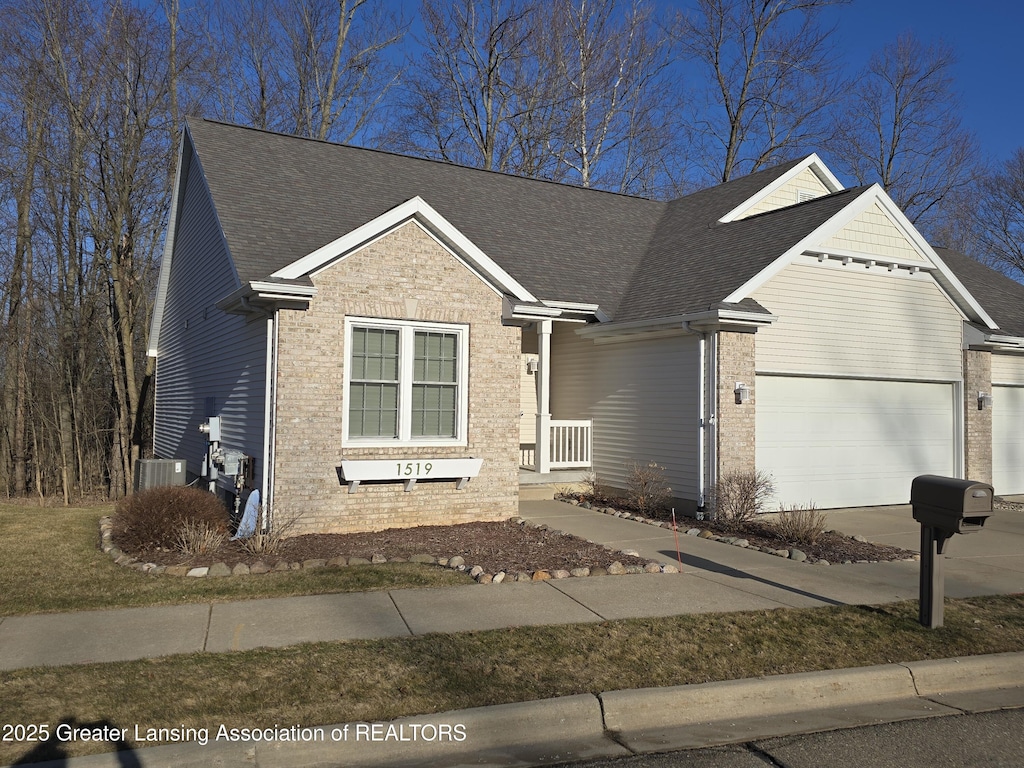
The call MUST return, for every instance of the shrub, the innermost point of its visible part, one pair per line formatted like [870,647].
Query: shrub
[197,536]
[156,518]
[742,496]
[802,525]
[267,542]
[646,488]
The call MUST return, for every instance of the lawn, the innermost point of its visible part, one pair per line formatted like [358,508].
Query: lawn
[52,562]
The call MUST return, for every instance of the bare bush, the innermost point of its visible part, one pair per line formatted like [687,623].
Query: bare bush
[801,525]
[742,496]
[267,541]
[198,536]
[646,488]
[154,519]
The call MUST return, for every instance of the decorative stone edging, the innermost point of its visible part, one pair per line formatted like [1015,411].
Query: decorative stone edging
[457,563]
[789,553]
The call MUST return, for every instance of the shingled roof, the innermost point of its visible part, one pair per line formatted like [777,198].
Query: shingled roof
[279,198]
[1002,297]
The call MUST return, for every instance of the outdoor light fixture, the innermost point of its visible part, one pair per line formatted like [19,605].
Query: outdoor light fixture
[742,392]
[531,365]
[984,401]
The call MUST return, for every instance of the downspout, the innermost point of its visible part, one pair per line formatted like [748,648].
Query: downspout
[270,421]
[705,414]
[710,416]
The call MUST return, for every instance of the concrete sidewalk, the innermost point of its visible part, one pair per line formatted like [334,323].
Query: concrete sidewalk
[715,577]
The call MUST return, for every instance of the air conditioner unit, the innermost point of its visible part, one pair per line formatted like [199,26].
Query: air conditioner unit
[153,473]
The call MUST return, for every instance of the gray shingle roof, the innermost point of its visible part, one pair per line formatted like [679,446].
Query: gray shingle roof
[279,198]
[1001,297]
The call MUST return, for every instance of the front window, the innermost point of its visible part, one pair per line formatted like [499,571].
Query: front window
[405,382]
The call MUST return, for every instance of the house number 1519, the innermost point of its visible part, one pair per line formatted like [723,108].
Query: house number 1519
[414,469]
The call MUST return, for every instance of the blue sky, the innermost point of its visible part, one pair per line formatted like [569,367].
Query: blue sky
[988,36]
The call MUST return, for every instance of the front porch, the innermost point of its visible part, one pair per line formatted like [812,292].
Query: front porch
[569,446]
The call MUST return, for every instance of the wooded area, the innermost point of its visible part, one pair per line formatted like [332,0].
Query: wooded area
[620,96]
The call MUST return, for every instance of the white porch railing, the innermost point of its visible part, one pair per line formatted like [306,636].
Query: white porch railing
[570,443]
[570,447]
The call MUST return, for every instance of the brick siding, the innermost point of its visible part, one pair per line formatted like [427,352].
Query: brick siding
[977,423]
[405,275]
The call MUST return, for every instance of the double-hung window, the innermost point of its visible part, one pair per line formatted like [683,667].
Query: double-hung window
[405,383]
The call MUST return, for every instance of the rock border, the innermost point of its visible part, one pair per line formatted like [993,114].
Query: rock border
[456,563]
[790,553]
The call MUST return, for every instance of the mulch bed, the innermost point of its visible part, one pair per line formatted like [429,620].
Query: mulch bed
[506,546]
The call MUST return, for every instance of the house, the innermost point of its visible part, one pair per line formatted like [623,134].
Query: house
[399,342]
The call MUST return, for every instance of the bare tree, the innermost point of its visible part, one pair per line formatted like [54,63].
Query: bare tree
[901,128]
[1001,216]
[464,103]
[613,67]
[771,77]
[317,68]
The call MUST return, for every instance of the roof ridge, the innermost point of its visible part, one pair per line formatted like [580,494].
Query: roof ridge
[404,156]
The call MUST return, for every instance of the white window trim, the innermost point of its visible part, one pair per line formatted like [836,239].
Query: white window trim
[407,329]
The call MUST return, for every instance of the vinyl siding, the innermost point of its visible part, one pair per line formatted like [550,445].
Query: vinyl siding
[874,232]
[1008,369]
[851,321]
[789,193]
[203,352]
[642,397]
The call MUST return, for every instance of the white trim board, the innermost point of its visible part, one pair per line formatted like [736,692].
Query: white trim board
[426,216]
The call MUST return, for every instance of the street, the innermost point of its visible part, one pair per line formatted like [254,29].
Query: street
[990,740]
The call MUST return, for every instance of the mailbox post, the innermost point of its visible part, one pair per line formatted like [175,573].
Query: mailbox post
[944,506]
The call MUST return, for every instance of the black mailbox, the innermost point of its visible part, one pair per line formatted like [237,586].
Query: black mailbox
[951,505]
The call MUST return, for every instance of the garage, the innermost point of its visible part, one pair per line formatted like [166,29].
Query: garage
[1008,439]
[853,442]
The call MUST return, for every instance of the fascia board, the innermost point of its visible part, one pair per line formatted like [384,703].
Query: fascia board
[943,276]
[811,161]
[949,282]
[165,258]
[415,208]
[818,235]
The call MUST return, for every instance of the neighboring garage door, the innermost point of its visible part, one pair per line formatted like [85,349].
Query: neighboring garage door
[1008,440]
[850,442]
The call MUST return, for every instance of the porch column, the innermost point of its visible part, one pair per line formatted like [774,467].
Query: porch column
[977,420]
[543,436]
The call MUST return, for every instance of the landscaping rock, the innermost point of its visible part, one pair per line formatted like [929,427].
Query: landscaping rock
[797,555]
[598,571]
[484,578]
[541,576]
[652,568]
[669,568]
[580,573]
[634,569]
[259,567]
[358,561]
[337,562]
[241,569]
[428,559]
[498,577]
[524,576]
[693,532]
[456,561]
[858,537]
[560,574]
[475,571]
[616,569]
[309,565]
[377,559]
[219,570]
[177,570]
[741,543]
[705,535]
[198,573]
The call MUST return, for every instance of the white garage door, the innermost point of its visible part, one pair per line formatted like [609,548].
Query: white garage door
[848,442]
[1008,440]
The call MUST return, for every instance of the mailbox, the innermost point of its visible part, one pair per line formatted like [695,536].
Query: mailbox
[951,505]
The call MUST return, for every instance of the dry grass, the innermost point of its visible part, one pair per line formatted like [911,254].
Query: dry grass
[379,680]
[51,562]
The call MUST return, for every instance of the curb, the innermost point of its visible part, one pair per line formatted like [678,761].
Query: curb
[620,723]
